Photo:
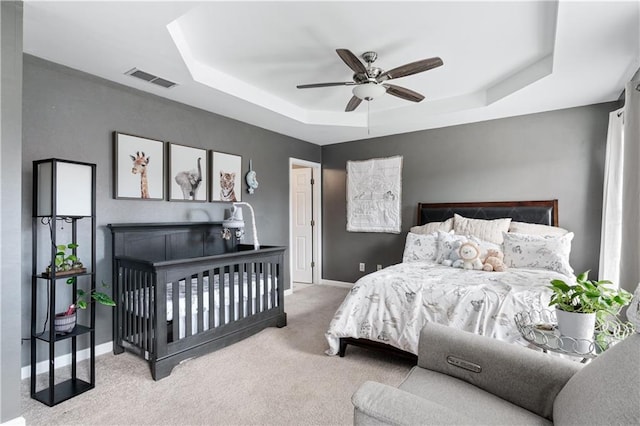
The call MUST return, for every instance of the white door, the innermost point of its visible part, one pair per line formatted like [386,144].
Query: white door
[302,225]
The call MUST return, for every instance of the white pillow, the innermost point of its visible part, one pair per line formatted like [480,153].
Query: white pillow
[485,246]
[430,227]
[446,243]
[488,230]
[420,247]
[538,251]
[536,229]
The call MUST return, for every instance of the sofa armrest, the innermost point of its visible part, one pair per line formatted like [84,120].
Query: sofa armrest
[525,377]
[379,404]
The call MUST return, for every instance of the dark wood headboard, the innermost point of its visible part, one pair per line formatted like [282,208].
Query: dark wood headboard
[170,241]
[543,212]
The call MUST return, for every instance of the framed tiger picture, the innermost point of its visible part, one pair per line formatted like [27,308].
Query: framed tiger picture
[226,177]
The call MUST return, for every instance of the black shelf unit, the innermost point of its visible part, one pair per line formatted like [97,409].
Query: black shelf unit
[54,200]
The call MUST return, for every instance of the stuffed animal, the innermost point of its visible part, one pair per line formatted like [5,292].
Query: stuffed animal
[470,254]
[454,257]
[494,261]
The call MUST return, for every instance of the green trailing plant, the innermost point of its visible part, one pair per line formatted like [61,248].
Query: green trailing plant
[68,261]
[81,298]
[587,296]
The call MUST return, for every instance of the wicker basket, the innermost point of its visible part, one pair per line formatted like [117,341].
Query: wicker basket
[64,323]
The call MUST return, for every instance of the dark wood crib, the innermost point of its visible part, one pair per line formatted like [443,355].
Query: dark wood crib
[234,290]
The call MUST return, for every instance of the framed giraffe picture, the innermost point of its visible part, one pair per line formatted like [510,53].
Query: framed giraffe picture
[226,180]
[138,168]
[188,173]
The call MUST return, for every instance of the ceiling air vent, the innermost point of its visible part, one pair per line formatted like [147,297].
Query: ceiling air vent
[135,72]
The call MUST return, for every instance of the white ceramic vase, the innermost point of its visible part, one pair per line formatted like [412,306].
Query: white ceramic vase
[579,327]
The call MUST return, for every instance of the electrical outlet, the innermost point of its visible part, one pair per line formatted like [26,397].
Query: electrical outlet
[378,267]
[361,267]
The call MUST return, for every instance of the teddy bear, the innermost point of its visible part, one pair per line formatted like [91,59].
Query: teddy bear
[494,261]
[454,257]
[470,254]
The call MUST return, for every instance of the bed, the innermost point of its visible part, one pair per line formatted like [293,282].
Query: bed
[386,310]
[183,290]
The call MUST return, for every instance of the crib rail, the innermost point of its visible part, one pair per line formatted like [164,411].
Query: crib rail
[165,308]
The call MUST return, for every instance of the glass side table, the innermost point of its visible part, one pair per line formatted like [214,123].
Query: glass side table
[540,329]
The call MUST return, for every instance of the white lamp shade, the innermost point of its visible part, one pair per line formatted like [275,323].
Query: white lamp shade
[72,192]
[369,91]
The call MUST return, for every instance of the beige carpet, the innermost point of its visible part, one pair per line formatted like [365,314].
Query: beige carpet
[276,377]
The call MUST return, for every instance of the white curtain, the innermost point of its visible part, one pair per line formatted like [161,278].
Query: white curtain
[611,234]
[620,244]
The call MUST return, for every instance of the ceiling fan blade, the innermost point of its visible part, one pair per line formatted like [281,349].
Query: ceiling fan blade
[353,103]
[311,86]
[403,93]
[410,69]
[351,60]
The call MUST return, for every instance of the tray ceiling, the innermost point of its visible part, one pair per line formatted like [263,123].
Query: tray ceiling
[243,60]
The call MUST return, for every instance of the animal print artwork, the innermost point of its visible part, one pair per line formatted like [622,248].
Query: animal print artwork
[227,184]
[140,163]
[189,181]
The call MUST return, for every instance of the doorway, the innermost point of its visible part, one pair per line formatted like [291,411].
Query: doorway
[305,223]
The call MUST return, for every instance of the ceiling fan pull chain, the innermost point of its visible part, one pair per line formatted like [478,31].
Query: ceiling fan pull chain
[368,118]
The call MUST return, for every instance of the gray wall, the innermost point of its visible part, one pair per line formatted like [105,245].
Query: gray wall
[10,192]
[551,155]
[71,115]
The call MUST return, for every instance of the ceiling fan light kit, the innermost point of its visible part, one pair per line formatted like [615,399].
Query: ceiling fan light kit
[368,81]
[369,91]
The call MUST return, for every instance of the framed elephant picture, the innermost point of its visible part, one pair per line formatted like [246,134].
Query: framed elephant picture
[138,170]
[226,180]
[188,173]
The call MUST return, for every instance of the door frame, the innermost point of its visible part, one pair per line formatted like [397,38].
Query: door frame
[316,169]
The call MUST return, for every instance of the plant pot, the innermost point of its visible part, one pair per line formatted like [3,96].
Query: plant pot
[64,323]
[579,328]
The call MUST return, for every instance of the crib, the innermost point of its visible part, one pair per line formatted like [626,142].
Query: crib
[182,290]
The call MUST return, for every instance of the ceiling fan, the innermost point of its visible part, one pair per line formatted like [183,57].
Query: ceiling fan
[370,81]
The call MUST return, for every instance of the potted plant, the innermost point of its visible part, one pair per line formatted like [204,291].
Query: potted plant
[65,322]
[578,306]
[66,262]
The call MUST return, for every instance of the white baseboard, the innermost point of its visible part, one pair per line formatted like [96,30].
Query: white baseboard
[18,421]
[336,283]
[64,360]
[288,292]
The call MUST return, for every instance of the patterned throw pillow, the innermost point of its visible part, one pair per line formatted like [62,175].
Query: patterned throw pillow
[420,247]
[431,227]
[538,251]
[446,243]
[487,230]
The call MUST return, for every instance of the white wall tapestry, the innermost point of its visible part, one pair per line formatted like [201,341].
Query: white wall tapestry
[374,190]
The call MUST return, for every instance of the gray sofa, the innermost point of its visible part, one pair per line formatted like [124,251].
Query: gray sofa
[463,378]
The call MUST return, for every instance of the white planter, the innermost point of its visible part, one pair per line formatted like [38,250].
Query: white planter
[579,327]
[64,323]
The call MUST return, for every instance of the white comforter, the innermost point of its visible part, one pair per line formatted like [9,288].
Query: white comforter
[393,304]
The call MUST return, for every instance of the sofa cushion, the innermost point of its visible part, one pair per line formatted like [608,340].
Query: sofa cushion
[605,391]
[379,404]
[461,397]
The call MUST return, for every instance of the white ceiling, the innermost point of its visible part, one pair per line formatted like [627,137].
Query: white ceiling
[244,59]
